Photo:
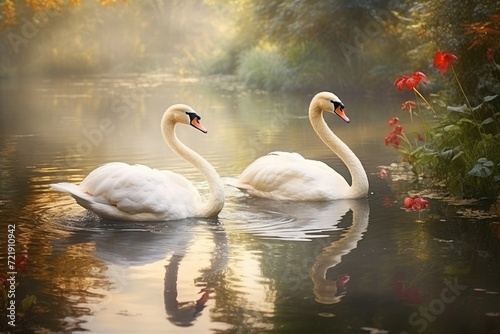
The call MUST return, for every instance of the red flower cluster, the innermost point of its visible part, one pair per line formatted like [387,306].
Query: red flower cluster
[410,82]
[442,61]
[415,203]
[393,138]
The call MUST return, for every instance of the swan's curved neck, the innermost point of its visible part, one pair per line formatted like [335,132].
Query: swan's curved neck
[359,187]
[215,201]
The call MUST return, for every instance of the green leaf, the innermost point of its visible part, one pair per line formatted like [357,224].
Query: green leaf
[462,108]
[480,171]
[447,153]
[482,160]
[418,149]
[487,121]
[488,164]
[466,120]
[452,127]
[490,98]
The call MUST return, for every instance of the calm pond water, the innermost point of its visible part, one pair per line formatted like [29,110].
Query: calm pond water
[361,266]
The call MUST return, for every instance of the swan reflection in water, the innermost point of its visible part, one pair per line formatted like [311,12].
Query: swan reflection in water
[326,291]
[184,313]
[123,246]
[141,250]
[309,221]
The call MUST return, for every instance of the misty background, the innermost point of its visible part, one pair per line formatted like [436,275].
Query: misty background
[271,45]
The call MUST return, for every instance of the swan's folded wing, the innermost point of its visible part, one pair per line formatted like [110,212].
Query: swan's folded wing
[283,175]
[140,189]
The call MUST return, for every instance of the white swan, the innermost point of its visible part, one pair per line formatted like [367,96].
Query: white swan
[119,191]
[288,176]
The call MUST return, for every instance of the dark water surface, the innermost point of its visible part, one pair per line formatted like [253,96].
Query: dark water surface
[359,266]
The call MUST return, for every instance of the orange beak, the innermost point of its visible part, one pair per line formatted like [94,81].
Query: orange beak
[196,123]
[340,112]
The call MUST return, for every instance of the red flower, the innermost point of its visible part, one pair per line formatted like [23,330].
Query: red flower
[400,82]
[408,105]
[415,203]
[398,129]
[410,82]
[419,203]
[490,54]
[420,77]
[442,61]
[393,121]
[408,202]
[393,137]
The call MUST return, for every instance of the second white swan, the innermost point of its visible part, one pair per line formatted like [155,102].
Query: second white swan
[119,191]
[289,176]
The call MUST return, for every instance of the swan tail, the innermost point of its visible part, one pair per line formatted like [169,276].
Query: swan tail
[82,198]
[230,181]
[234,182]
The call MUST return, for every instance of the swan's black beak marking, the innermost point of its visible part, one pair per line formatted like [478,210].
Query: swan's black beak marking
[194,121]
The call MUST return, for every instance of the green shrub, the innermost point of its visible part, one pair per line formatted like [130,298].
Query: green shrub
[460,147]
